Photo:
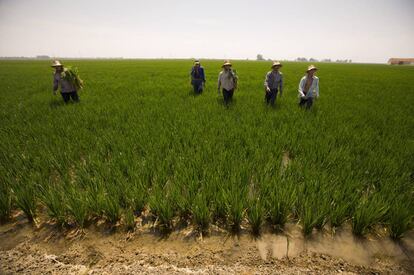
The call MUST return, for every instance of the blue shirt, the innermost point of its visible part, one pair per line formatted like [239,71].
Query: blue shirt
[197,74]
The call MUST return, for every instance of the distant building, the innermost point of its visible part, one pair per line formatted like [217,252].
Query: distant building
[401,61]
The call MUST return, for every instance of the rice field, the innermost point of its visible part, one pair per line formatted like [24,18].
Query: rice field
[141,141]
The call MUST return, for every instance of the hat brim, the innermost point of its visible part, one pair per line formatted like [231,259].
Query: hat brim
[277,65]
[226,64]
[313,69]
[54,66]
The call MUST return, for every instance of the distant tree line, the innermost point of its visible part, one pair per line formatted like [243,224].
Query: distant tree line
[260,57]
[304,59]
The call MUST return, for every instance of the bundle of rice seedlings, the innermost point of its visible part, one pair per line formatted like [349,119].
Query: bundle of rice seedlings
[71,75]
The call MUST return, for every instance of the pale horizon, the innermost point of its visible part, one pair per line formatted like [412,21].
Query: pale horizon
[364,31]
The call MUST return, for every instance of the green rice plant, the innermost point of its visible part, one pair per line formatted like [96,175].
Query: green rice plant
[111,208]
[26,199]
[342,206]
[77,205]
[370,210]
[129,219]
[280,201]
[55,201]
[219,206]
[313,210]
[400,216]
[235,204]
[161,207]
[5,202]
[255,215]
[136,197]
[201,213]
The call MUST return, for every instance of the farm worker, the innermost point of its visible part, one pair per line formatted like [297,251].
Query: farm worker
[308,88]
[273,83]
[198,78]
[227,80]
[67,89]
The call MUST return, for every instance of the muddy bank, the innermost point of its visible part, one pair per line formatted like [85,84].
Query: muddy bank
[46,250]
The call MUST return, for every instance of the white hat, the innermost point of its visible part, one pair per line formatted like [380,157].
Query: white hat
[276,63]
[56,63]
[226,63]
[311,67]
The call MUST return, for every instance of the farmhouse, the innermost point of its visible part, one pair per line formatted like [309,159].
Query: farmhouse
[401,61]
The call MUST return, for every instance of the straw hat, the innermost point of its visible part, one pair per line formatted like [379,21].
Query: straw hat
[56,63]
[197,62]
[311,67]
[276,63]
[226,63]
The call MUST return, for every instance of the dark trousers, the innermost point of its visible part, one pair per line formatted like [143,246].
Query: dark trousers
[228,95]
[306,102]
[67,96]
[270,96]
[198,86]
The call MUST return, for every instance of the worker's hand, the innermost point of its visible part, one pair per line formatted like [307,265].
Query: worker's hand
[267,89]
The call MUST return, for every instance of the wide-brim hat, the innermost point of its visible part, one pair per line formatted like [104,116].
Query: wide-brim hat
[276,63]
[57,63]
[196,62]
[311,67]
[226,63]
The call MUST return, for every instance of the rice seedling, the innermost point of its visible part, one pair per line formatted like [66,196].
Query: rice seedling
[72,75]
[255,215]
[129,219]
[111,208]
[370,211]
[400,216]
[281,198]
[26,199]
[236,208]
[77,205]
[135,197]
[55,201]
[201,213]
[161,207]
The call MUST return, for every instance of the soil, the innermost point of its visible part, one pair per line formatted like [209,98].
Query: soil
[45,249]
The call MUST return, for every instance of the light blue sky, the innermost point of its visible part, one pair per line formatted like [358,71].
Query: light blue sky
[361,30]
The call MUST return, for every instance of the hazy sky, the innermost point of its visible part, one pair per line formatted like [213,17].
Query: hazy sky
[361,30]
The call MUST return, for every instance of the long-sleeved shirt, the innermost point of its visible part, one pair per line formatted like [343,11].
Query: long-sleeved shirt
[226,80]
[65,86]
[274,80]
[197,74]
[309,87]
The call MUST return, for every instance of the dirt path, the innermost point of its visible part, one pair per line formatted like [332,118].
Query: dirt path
[45,250]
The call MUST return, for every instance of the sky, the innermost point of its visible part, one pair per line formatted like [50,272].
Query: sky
[362,30]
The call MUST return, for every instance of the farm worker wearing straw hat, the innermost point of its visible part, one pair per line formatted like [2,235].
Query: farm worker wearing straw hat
[227,80]
[308,88]
[67,89]
[273,83]
[198,78]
